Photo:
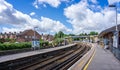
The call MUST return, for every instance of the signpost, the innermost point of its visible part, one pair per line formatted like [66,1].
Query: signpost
[35,41]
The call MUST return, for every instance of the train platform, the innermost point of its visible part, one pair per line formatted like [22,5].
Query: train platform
[97,59]
[31,53]
[103,59]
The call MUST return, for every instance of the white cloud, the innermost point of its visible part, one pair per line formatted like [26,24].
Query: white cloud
[113,1]
[21,21]
[84,19]
[44,25]
[48,24]
[9,15]
[32,13]
[79,15]
[53,3]
[36,6]
[94,1]
[5,29]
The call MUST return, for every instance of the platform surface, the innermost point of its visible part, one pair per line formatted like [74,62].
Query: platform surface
[30,53]
[103,59]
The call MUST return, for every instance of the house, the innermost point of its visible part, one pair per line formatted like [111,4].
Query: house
[8,35]
[94,38]
[27,36]
[47,37]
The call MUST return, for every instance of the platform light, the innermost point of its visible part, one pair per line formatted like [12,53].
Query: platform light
[116,33]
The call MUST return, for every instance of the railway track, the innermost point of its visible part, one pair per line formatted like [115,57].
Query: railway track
[58,62]
[69,62]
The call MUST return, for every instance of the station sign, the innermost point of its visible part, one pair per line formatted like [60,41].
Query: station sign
[35,43]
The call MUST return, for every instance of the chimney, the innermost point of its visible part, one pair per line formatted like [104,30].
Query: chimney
[15,33]
[20,31]
[9,33]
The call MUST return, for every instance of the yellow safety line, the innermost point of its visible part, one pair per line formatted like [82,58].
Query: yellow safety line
[86,66]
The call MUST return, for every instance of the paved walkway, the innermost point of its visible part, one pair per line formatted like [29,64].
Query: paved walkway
[103,60]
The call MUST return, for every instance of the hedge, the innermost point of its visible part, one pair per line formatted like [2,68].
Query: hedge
[10,46]
[44,43]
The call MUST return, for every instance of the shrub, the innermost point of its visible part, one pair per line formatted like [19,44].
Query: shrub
[58,41]
[43,44]
[10,46]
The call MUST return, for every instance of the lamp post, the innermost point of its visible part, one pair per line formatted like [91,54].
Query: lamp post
[116,33]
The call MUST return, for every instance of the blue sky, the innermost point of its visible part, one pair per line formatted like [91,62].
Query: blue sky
[49,11]
[51,16]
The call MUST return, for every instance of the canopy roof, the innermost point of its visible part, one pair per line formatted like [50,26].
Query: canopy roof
[112,29]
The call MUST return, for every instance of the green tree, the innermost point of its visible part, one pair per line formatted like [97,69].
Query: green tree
[56,35]
[86,34]
[2,40]
[41,40]
[83,34]
[93,33]
[71,34]
[60,34]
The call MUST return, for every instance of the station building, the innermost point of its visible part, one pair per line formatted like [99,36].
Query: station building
[108,38]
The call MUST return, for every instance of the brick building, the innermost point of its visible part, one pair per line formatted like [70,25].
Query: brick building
[25,36]
[47,37]
[8,35]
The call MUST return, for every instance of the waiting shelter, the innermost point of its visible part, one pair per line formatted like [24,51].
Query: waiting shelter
[111,39]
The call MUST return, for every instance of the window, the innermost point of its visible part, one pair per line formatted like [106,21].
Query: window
[32,36]
[29,36]
[25,36]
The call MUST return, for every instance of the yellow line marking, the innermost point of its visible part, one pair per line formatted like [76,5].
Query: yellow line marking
[86,66]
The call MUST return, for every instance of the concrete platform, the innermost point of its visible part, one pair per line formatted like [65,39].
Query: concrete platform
[103,60]
[97,59]
[80,64]
[31,53]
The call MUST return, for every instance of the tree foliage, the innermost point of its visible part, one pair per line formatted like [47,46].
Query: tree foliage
[71,35]
[93,33]
[58,41]
[60,34]
[83,34]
